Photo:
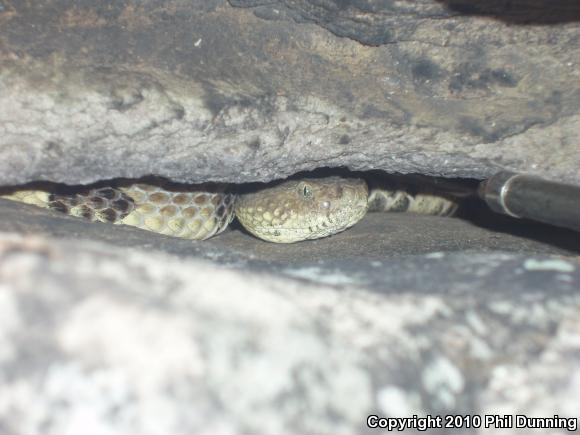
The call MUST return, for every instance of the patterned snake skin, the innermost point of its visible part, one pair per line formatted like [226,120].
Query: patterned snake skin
[288,212]
[303,209]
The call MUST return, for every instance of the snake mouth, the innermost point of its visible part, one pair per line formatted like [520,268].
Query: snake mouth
[323,226]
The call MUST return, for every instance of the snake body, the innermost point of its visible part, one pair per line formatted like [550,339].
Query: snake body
[287,212]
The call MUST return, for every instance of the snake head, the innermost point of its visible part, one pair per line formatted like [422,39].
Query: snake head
[304,209]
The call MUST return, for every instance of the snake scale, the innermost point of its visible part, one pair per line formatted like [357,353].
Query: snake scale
[286,212]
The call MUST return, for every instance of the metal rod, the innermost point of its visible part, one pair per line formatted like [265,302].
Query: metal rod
[531,197]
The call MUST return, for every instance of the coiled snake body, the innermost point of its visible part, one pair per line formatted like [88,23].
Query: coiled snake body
[288,212]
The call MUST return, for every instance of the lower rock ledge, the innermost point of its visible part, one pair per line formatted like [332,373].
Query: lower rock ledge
[141,341]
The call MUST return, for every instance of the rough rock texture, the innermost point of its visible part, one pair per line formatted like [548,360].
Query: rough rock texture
[397,316]
[255,90]
[360,255]
[121,340]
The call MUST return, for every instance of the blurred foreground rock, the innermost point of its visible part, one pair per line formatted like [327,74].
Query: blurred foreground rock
[226,337]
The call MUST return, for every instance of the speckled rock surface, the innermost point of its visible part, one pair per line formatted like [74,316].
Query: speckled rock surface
[251,90]
[131,331]
[129,341]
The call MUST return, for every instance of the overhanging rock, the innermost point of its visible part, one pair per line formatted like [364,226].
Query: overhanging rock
[203,90]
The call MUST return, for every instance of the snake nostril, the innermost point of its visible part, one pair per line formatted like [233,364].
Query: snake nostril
[338,191]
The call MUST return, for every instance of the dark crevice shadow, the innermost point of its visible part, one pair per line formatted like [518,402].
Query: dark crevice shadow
[476,212]
[473,211]
[519,11]
[71,189]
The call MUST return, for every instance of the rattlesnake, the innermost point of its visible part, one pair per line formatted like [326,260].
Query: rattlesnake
[287,212]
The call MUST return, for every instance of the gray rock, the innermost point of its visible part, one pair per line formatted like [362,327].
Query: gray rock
[201,91]
[400,315]
[370,254]
[135,341]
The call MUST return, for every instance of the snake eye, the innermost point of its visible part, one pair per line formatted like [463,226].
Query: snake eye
[305,190]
